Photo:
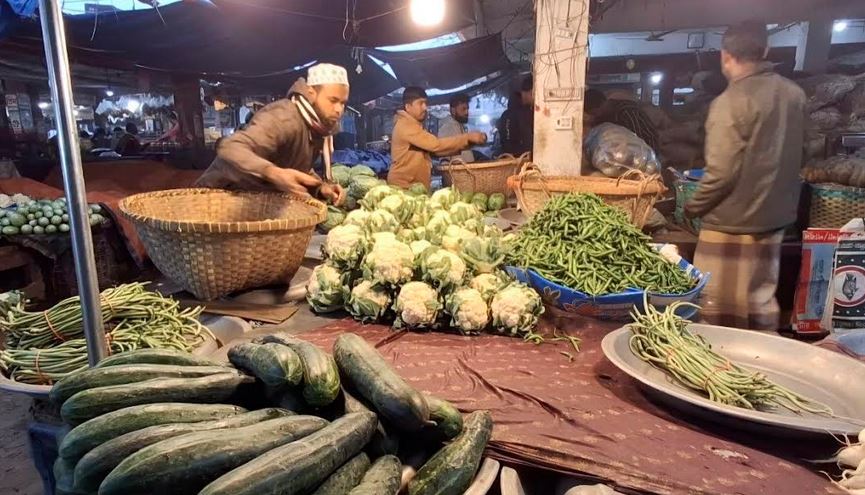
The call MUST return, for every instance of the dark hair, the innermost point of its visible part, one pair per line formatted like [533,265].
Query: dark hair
[528,83]
[131,128]
[458,99]
[412,93]
[515,100]
[746,41]
[593,100]
[117,128]
[99,132]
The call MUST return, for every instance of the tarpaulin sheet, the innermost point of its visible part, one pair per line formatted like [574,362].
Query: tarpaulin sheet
[245,37]
[448,66]
[585,417]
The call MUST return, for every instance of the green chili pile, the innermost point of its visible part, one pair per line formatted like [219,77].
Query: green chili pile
[45,346]
[580,242]
[663,340]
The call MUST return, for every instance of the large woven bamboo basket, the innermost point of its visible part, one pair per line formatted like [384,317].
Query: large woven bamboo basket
[635,192]
[214,242]
[485,177]
[833,205]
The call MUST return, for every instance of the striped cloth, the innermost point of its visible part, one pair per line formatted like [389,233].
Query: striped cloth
[745,269]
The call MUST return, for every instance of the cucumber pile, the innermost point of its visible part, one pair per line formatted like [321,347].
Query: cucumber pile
[147,422]
[44,216]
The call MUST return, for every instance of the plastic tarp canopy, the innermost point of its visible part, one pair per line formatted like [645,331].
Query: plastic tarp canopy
[245,37]
[449,66]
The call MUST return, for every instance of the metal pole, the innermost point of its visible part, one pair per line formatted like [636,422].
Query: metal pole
[60,81]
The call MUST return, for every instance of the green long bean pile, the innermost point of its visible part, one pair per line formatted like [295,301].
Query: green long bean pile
[45,346]
[663,340]
[580,242]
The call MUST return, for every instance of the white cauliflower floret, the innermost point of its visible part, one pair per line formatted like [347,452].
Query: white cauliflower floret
[488,284]
[462,212]
[381,221]
[469,312]
[383,237]
[392,203]
[343,245]
[324,290]
[418,247]
[389,262]
[368,302]
[417,305]
[443,268]
[356,217]
[454,236]
[444,198]
[374,196]
[515,309]
[670,252]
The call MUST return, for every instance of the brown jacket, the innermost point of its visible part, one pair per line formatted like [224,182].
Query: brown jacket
[411,147]
[754,149]
[276,135]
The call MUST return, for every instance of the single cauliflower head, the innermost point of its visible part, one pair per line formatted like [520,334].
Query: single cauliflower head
[515,309]
[381,221]
[417,306]
[455,236]
[368,302]
[442,268]
[468,309]
[324,291]
[462,212]
[488,284]
[418,247]
[389,262]
[444,198]
[344,245]
[374,196]
[356,217]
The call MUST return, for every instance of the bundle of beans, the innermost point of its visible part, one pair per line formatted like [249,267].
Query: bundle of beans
[44,346]
[580,242]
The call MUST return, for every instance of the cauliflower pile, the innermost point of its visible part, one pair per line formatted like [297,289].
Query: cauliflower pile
[422,262]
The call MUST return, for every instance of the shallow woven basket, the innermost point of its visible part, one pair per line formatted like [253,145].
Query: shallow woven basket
[485,177]
[635,196]
[833,205]
[214,242]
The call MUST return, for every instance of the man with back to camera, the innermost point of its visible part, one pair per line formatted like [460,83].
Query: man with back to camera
[455,124]
[283,140]
[750,191]
[412,146]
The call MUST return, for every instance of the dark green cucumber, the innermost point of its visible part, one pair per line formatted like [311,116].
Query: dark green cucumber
[64,477]
[185,464]
[320,375]
[89,435]
[96,464]
[289,399]
[276,365]
[451,470]
[448,420]
[345,478]
[385,439]
[94,402]
[300,466]
[373,378]
[127,373]
[382,478]
[157,356]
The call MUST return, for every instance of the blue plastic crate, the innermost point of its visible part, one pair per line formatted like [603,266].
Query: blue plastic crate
[614,307]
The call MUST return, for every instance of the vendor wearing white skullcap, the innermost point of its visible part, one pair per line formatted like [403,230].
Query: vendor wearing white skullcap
[277,149]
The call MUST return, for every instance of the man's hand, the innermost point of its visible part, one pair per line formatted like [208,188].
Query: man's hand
[333,192]
[477,137]
[292,181]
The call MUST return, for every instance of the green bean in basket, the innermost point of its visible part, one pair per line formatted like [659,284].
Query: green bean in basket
[580,242]
[45,346]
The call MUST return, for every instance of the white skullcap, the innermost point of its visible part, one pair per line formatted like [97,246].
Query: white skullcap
[326,74]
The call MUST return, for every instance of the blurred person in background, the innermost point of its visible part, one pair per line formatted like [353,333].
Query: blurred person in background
[455,124]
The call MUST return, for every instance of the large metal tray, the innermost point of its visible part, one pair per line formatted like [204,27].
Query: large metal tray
[820,374]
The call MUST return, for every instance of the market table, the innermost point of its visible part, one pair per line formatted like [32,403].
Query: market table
[580,415]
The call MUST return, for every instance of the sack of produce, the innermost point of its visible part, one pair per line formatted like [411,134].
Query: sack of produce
[818,252]
[826,89]
[826,119]
[845,302]
[615,150]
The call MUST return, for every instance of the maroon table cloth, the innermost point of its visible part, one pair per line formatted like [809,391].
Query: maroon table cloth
[583,416]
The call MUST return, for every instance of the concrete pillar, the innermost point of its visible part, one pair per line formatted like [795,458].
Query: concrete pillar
[560,83]
[812,49]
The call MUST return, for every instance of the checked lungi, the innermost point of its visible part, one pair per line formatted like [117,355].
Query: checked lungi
[744,277]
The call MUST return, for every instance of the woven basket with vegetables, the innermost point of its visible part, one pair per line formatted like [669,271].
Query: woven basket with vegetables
[837,191]
[634,192]
[485,177]
[214,242]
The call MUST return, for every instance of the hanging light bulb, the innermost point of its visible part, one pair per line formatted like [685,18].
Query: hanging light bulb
[109,93]
[427,12]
